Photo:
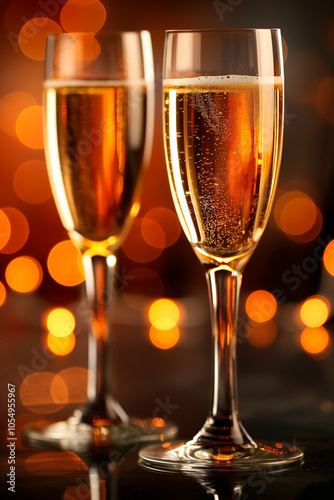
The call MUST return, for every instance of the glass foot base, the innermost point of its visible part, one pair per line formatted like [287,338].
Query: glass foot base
[194,456]
[102,434]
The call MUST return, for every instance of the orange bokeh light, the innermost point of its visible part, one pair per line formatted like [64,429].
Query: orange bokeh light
[325,99]
[298,216]
[61,345]
[164,339]
[164,314]
[3,293]
[60,322]
[328,257]
[65,265]
[263,334]
[29,127]
[261,306]
[11,105]
[168,221]
[75,380]
[85,49]
[35,393]
[54,463]
[31,182]
[4,229]
[32,36]
[136,248]
[83,16]
[19,230]
[24,274]
[315,340]
[152,233]
[314,311]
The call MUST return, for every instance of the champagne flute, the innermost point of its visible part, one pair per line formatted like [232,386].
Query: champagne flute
[99,112]
[223,124]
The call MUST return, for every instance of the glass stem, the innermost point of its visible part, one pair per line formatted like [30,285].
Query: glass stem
[223,423]
[99,273]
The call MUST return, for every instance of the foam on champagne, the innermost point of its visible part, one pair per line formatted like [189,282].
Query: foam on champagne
[53,83]
[200,81]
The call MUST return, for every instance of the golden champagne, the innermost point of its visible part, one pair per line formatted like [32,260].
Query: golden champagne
[95,147]
[223,146]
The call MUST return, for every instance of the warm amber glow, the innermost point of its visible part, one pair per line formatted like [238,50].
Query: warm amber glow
[298,216]
[65,265]
[168,221]
[4,229]
[314,340]
[328,257]
[85,49]
[261,306]
[35,393]
[19,230]
[29,127]
[285,49]
[54,463]
[75,493]
[60,322]
[164,314]
[136,248]
[3,293]
[33,35]
[263,334]
[164,339]
[11,105]
[28,418]
[61,345]
[24,274]
[158,422]
[325,99]
[153,233]
[314,311]
[31,182]
[75,379]
[83,15]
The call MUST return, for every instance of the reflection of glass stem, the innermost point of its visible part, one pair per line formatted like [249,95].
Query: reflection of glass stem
[102,480]
[221,489]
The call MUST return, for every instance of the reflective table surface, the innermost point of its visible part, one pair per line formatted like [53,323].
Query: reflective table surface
[284,396]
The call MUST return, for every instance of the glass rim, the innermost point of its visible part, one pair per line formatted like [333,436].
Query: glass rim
[220,30]
[92,34]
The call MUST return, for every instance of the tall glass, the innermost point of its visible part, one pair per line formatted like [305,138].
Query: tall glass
[223,125]
[99,112]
